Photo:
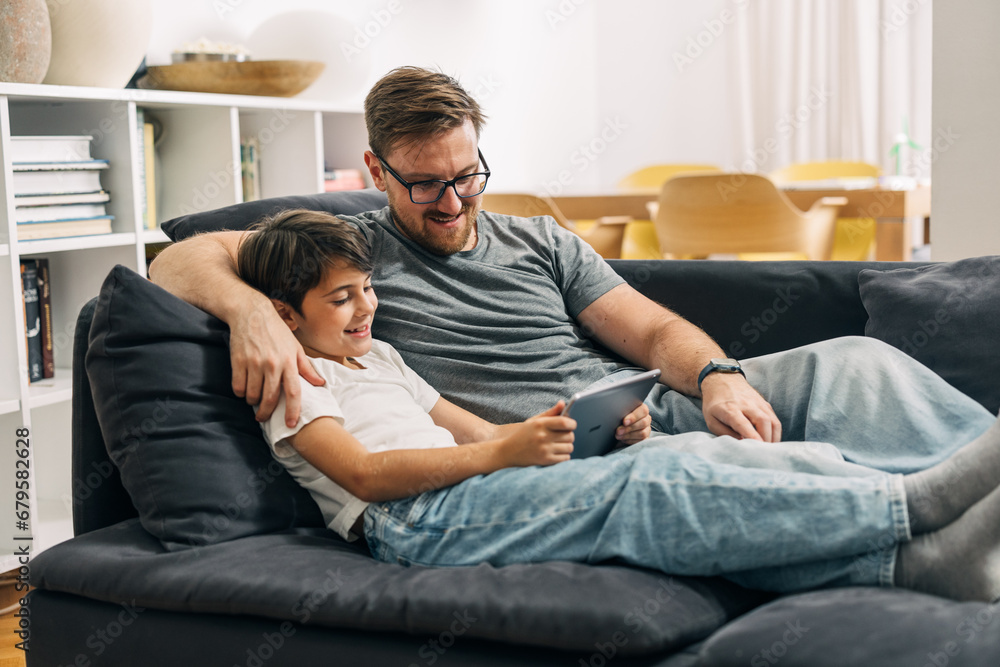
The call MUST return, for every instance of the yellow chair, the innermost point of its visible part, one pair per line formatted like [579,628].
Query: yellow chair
[604,234]
[640,235]
[707,214]
[855,237]
[649,179]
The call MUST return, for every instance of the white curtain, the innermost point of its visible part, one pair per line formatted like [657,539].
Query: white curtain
[832,80]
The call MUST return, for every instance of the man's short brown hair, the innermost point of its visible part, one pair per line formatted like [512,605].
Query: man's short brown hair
[412,103]
[291,251]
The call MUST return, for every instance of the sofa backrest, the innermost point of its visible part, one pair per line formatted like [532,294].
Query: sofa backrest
[756,308]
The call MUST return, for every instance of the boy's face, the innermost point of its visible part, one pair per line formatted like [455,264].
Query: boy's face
[336,315]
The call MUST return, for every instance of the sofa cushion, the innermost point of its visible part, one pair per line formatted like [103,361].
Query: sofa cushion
[946,315]
[240,216]
[859,626]
[311,576]
[190,453]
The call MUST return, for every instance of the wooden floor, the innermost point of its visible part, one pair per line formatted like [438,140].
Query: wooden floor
[9,655]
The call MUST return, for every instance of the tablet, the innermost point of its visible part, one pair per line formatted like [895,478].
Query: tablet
[599,411]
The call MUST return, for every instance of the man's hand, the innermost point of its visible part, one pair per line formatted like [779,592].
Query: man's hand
[266,357]
[636,426]
[732,407]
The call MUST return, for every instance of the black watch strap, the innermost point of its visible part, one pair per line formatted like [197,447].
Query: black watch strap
[720,366]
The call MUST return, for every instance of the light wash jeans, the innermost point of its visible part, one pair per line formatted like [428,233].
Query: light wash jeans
[782,517]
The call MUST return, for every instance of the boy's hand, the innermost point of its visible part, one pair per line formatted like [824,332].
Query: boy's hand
[544,439]
[636,426]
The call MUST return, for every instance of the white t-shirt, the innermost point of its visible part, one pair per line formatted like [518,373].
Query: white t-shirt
[385,406]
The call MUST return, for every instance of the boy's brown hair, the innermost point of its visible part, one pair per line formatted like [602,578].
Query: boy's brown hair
[289,253]
[412,103]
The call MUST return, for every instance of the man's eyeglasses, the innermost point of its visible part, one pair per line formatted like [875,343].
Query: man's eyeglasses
[428,192]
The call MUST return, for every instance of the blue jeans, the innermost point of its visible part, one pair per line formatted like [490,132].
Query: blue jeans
[782,517]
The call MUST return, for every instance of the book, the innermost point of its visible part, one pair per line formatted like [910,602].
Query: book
[45,312]
[78,165]
[343,179]
[149,159]
[50,148]
[32,318]
[62,212]
[57,181]
[140,164]
[250,166]
[27,200]
[28,231]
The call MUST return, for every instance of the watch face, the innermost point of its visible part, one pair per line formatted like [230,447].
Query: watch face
[726,365]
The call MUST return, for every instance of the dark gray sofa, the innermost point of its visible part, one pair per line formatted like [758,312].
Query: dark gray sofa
[191,549]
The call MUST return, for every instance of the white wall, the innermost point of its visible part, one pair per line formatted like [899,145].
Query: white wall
[965,102]
[531,65]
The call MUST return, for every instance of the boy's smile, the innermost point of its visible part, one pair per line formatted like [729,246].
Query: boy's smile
[336,315]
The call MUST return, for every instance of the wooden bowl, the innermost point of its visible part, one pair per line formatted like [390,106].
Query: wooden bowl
[276,78]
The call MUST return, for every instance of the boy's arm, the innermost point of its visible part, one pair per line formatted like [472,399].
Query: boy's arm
[467,427]
[266,358]
[400,473]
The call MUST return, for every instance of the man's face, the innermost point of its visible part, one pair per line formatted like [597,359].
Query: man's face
[448,225]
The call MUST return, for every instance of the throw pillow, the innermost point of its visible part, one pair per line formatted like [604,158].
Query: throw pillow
[191,455]
[947,316]
[240,216]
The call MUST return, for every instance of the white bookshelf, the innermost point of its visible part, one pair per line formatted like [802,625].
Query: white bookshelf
[198,168]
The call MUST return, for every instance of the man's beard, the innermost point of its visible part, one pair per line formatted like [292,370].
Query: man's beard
[441,242]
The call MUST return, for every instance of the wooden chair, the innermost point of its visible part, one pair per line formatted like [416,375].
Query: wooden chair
[651,178]
[705,214]
[855,237]
[640,235]
[604,234]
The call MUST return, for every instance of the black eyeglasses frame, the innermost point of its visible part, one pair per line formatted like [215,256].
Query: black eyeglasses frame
[445,184]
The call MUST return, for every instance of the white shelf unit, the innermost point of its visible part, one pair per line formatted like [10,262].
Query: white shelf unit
[197,169]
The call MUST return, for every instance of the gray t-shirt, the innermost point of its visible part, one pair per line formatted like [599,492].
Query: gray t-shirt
[493,328]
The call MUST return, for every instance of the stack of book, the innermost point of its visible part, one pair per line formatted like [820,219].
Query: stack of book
[57,188]
[343,179]
[36,290]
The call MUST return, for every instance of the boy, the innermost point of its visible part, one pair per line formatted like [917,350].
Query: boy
[376,447]
[376,431]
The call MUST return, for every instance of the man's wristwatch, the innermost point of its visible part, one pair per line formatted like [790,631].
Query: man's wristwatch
[720,366]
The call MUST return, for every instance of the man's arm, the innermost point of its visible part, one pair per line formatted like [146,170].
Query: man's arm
[651,336]
[265,355]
